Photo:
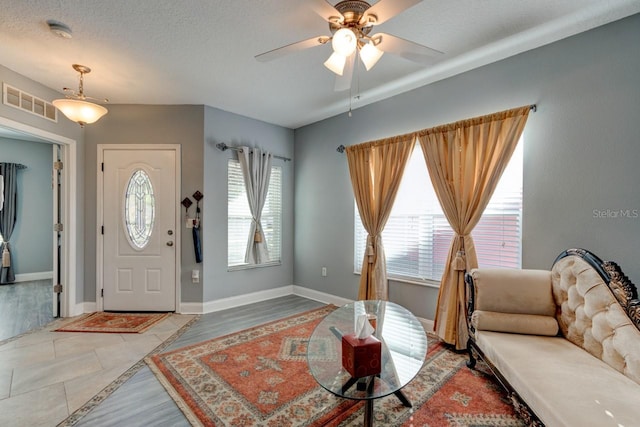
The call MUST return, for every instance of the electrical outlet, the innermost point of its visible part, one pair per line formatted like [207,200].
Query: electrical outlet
[324,271]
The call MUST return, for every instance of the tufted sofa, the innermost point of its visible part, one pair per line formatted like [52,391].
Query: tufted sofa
[565,343]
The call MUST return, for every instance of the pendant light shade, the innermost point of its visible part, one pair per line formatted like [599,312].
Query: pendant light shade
[79,111]
[75,106]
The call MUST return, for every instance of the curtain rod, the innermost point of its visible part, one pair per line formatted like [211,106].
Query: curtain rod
[18,165]
[341,148]
[224,147]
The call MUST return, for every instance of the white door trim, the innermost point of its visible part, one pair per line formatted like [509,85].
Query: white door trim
[69,211]
[100,214]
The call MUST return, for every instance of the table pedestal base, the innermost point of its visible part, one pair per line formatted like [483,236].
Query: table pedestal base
[367,383]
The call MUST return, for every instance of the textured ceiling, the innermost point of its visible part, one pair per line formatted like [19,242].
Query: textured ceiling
[202,51]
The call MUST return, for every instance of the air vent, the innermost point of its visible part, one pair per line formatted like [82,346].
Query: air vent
[26,102]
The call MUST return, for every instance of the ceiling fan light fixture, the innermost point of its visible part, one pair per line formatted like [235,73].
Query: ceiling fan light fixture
[370,54]
[344,42]
[336,63]
[76,107]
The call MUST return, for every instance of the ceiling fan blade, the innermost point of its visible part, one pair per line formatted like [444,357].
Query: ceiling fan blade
[387,9]
[343,82]
[326,10]
[407,49]
[293,47]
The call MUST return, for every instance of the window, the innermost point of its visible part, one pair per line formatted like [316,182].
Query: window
[417,236]
[139,209]
[239,216]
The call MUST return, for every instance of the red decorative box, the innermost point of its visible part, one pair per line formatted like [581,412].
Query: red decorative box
[361,357]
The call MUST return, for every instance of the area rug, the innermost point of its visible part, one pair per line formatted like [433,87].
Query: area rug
[119,323]
[259,377]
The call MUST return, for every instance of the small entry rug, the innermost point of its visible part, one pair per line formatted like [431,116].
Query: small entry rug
[259,377]
[119,323]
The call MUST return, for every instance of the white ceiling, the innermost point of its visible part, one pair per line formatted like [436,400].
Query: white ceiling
[202,51]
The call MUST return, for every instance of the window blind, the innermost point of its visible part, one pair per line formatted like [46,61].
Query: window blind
[239,215]
[417,236]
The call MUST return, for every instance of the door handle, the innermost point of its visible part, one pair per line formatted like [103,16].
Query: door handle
[169,243]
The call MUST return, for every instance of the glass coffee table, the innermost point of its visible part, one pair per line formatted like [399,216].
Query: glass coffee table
[404,347]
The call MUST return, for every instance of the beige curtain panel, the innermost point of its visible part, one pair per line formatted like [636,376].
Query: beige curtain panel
[376,169]
[465,161]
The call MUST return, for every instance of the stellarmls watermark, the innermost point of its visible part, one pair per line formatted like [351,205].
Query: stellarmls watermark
[616,213]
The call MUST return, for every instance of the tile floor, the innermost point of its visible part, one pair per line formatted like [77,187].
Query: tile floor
[45,376]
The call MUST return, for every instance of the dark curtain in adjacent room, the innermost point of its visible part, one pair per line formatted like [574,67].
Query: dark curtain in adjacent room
[8,216]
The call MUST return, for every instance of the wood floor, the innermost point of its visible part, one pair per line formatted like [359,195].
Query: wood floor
[25,306]
[142,401]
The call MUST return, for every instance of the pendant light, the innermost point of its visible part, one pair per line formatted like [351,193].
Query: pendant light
[76,107]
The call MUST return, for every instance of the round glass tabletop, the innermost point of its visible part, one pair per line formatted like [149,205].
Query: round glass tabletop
[404,346]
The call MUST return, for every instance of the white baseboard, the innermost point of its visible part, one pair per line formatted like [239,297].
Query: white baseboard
[236,301]
[339,301]
[240,300]
[28,277]
[85,307]
[426,324]
[320,296]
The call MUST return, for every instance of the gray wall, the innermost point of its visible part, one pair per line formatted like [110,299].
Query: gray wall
[581,152]
[65,128]
[32,238]
[146,124]
[235,130]
[197,129]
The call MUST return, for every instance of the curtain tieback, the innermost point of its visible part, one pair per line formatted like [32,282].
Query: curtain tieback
[257,236]
[370,254]
[460,261]
[6,256]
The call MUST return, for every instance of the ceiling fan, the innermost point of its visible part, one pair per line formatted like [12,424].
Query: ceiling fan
[351,23]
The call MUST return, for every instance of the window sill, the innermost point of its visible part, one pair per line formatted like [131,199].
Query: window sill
[252,266]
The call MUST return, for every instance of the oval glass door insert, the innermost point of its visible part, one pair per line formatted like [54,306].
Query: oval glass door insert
[139,209]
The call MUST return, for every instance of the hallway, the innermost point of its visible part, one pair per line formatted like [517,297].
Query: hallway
[25,306]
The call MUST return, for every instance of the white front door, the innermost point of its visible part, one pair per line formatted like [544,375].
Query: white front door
[139,235]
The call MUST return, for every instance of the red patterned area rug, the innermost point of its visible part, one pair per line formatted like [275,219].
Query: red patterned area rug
[259,377]
[119,323]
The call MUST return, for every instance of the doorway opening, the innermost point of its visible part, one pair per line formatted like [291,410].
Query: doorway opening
[63,238]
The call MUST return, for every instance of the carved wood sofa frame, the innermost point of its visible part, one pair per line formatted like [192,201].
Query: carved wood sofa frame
[622,288]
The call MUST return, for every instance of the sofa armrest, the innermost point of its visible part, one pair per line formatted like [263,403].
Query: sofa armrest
[513,291]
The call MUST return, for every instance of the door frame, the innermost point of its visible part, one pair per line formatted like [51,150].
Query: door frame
[69,201]
[100,214]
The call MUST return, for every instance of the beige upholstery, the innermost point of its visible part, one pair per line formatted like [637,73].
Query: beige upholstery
[514,323]
[516,301]
[587,375]
[562,384]
[513,291]
[591,317]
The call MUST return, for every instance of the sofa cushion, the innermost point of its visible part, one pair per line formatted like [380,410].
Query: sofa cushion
[590,316]
[503,290]
[563,384]
[514,323]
